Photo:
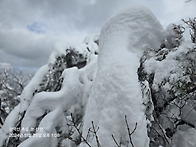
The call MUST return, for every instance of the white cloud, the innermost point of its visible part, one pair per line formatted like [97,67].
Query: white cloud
[175,10]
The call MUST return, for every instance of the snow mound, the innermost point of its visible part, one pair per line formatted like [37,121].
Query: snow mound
[116,92]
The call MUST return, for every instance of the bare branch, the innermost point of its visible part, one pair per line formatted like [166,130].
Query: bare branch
[164,135]
[75,126]
[95,132]
[129,132]
[118,145]
[89,130]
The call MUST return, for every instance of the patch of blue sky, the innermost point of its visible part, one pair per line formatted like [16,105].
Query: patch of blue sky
[37,27]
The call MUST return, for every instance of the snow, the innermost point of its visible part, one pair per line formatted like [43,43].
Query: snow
[173,35]
[116,91]
[184,137]
[91,42]
[72,97]
[61,47]
[147,100]
[107,90]
[188,113]
[87,76]
[28,92]
[54,119]
[167,67]
[48,101]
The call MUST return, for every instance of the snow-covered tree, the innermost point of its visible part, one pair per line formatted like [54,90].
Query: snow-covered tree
[12,83]
[63,86]
[192,25]
[131,86]
[171,73]
[116,92]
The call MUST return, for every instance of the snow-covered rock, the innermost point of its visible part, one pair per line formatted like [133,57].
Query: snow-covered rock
[184,137]
[116,91]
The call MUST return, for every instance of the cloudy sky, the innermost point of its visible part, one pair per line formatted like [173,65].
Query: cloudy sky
[30,28]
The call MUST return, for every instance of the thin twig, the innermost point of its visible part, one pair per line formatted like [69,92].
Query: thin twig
[70,138]
[129,132]
[158,132]
[165,137]
[75,126]
[89,130]
[116,141]
[96,137]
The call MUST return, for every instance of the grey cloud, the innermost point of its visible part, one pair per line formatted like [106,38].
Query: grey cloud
[60,14]
[18,41]
[16,61]
[21,46]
